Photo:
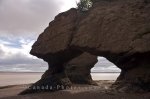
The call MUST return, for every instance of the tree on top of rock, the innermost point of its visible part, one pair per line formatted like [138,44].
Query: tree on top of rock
[84,5]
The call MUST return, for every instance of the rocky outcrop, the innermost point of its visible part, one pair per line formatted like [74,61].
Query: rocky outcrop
[118,30]
[78,69]
[57,36]
[61,76]
[53,47]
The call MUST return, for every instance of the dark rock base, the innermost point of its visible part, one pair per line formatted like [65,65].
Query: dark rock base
[52,83]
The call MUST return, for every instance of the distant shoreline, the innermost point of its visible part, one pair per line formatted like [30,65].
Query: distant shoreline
[43,72]
[18,72]
[105,72]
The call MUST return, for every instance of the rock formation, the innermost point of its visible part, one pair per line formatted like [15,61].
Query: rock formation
[78,69]
[118,30]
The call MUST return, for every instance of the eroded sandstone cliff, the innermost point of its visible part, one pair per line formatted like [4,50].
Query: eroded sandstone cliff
[118,30]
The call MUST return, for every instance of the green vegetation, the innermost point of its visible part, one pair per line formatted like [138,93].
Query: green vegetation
[84,5]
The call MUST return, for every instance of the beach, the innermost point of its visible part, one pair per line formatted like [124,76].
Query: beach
[12,83]
[76,92]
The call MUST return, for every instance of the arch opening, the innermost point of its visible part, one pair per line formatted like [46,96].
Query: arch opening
[105,70]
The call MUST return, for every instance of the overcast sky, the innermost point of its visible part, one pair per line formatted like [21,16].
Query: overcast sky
[21,21]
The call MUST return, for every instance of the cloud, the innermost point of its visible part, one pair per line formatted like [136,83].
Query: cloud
[13,58]
[21,21]
[103,65]
[1,51]
[24,17]
[29,17]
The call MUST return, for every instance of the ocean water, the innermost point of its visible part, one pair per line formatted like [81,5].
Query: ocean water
[15,78]
[105,76]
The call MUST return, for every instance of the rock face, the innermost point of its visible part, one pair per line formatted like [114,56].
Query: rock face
[78,69]
[57,36]
[118,30]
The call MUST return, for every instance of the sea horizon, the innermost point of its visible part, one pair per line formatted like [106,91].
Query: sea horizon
[42,72]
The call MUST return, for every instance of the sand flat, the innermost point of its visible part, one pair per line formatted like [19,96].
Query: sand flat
[76,92]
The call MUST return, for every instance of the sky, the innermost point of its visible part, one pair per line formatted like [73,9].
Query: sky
[21,21]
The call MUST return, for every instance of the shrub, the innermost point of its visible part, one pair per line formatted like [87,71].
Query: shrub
[84,5]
